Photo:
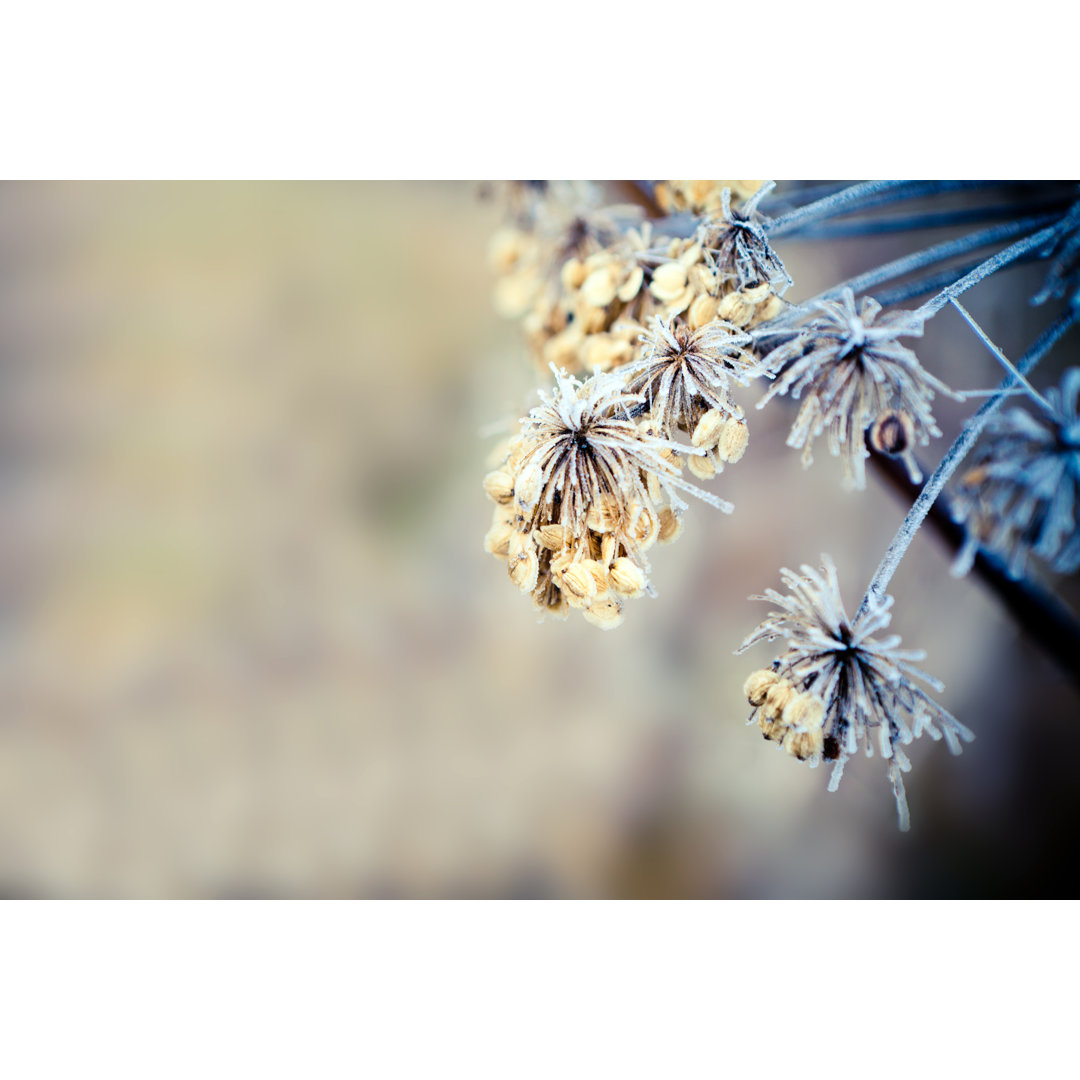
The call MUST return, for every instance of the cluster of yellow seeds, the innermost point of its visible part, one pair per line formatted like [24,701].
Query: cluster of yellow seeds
[786,715]
[588,285]
[701,196]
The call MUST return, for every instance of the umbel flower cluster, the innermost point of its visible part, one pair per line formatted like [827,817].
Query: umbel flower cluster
[837,687]
[651,312]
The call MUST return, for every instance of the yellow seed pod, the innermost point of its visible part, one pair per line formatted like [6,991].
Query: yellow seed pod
[671,526]
[734,308]
[520,543]
[702,311]
[499,486]
[668,281]
[627,578]
[690,256]
[701,467]
[599,288]
[780,693]
[771,729]
[758,684]
[645,526]
[524,570]
[757,293]
[497,540]
[733,440]
[803,744]
[804,712]
[608,546]
[599,573]
[768,309]
[605,613]
[553,537]
[632,285]
[573,273]
[577,584]
[527,487]
[708,428]
[603,515]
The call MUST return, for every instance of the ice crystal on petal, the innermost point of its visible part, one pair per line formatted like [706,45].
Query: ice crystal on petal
[849,369]
[1022,494]
[866,685]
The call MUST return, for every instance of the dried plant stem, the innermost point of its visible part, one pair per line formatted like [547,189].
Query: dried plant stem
[1041,615]
[953,456]
[865,196]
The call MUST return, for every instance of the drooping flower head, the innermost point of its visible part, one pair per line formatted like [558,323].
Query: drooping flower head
[584,491]
[1022,494]
[849,369]
[863,684]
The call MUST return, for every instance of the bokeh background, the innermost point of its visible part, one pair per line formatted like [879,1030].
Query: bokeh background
[251,646]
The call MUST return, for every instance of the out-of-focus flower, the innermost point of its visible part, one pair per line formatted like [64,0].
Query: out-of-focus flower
[702,196]
[1063,277]
[1022,494]
[860,682]
[583,493]
[850,370]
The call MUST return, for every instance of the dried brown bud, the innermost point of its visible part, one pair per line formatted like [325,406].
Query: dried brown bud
[892,432]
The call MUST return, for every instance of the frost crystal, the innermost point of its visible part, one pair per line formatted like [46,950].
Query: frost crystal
[1022,494]
[863,683]
[850,369]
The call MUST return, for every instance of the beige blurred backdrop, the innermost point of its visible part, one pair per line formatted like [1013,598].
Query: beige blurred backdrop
[252,647]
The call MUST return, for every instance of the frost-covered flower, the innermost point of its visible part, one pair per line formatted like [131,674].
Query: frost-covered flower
[849,369]
[737,244]
[582,494]
[1022,494]
[862,683]
[685,378]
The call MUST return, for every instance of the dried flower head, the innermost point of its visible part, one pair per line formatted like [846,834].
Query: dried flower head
[739,247]
[850,370]
[685,378]
[589,490]
[1022,494]
[862,683]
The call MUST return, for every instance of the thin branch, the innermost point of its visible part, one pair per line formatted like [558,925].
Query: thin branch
[953,456]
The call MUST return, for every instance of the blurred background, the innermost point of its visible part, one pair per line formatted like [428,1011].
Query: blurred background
[252,646]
